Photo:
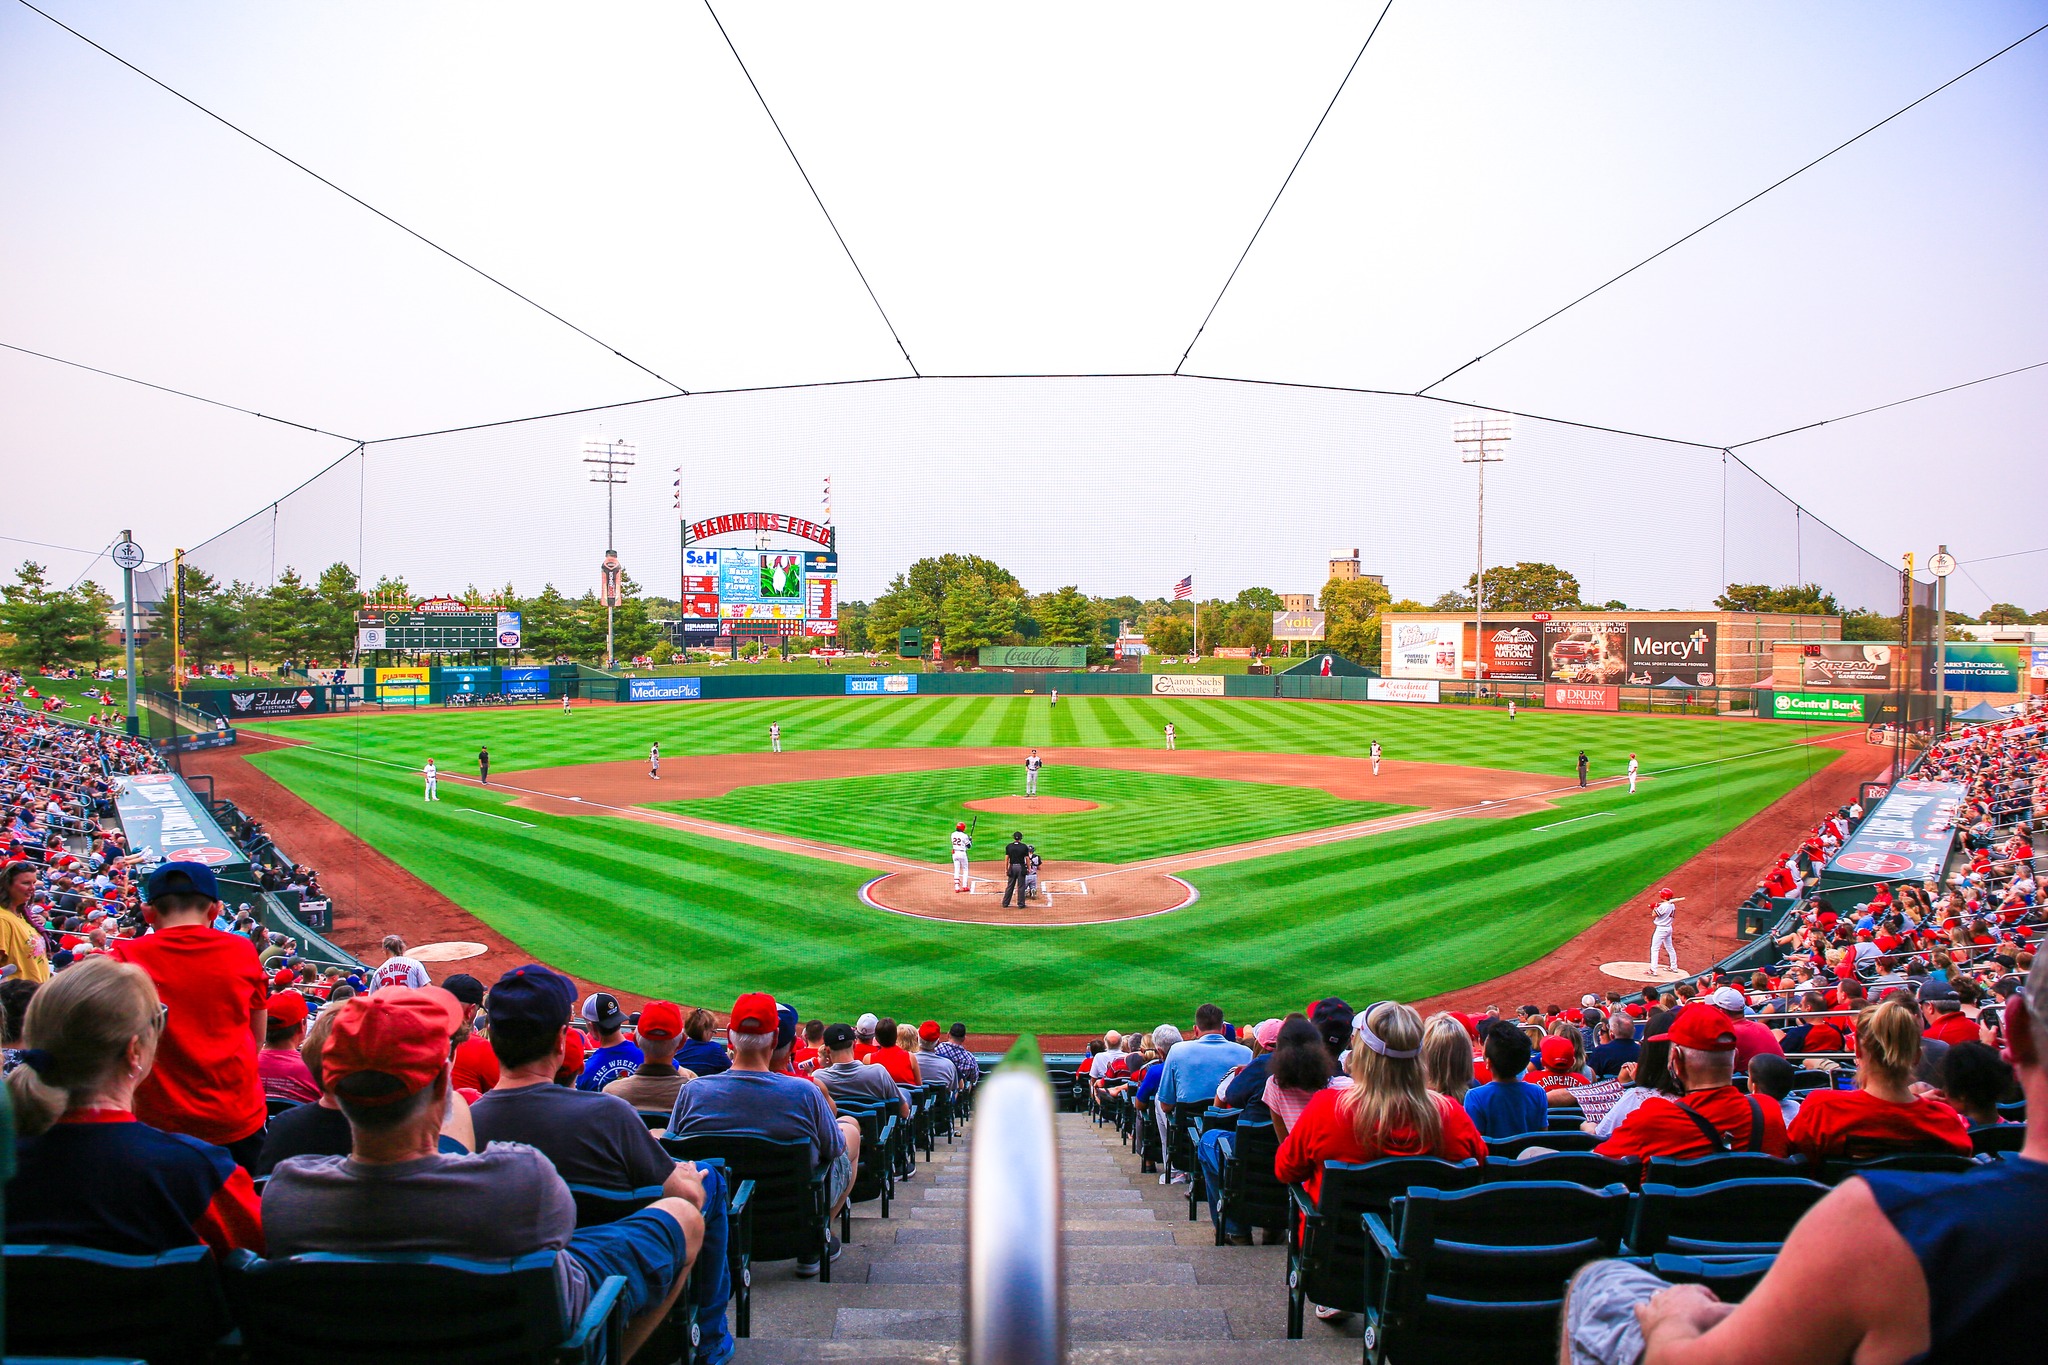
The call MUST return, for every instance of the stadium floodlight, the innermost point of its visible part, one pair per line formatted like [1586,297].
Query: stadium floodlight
[609,461]
[1481,441]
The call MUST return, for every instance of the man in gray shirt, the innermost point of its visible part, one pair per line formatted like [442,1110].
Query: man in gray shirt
[386,1060]
[861,1082]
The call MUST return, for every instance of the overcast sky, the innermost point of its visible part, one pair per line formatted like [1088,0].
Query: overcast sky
[1049,189]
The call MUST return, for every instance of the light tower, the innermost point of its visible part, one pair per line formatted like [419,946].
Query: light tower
[609,462]
[1481,441]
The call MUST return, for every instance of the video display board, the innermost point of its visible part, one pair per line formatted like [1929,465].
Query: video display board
[798,587]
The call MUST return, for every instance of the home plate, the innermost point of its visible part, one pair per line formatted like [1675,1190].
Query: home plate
[446,952]
[1640,971]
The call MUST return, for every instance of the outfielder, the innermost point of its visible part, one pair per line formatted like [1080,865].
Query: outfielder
[654,760]
[1664,915]
[775,738]
[433,780]
[565,703]
[962,841]
[1055,696]
[1633,767]
[1031,767]
[1169,735]
[1375,753]
[1511,708]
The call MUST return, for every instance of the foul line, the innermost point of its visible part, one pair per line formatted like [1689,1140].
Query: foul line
[1573,821]
[488,816]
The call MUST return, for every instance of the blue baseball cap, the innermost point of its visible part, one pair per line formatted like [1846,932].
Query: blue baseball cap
[785,1025]
[532,994]
[181,879]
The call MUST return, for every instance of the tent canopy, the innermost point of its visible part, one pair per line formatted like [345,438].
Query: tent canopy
[1984,711]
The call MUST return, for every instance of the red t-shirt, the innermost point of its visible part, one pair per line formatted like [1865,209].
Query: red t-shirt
[285,1076]
[1557,1080]
[1324,1132]
[476,1066]
[1837,1124]
[205,1082]
[1657,1128]
[1953,1028]
[898,1064]
[1752,1038]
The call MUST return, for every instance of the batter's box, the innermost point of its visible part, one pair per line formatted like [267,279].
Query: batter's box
[1064,888]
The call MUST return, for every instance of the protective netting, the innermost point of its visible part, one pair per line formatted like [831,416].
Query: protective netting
[1116,484]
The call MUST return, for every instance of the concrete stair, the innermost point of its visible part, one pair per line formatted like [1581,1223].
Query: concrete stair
[1144,1285]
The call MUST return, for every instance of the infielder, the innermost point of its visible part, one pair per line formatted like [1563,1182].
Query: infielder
[1375,753]
[775,738]
[433,780]
[962,841]
[654,760]
[1664,915]
[1633,767]
[1031,767]
[1169,735]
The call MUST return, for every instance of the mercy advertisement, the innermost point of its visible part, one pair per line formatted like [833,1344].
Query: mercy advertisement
[1671,653]
[1907,837]
[1593,653]
[1426,649]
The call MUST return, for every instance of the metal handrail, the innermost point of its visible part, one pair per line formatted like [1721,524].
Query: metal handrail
[1015,1313]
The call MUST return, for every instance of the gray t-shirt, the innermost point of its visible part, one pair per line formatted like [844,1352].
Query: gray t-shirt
[937,1070]
[592,1139]
[861,1081]
[496,1204]
[758,1102]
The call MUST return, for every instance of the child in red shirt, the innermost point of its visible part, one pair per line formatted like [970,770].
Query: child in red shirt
[1882,1115]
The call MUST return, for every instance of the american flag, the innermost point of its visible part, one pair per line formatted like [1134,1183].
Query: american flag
[1184,589]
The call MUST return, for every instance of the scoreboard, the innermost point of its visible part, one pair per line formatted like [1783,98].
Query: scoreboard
[436,632]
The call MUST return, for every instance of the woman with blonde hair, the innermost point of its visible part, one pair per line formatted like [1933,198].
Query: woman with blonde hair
[88,1172]
[1882,1115]
[1446,1055]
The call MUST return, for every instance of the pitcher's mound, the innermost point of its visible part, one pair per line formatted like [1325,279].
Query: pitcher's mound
[1031,805]
[1641,972]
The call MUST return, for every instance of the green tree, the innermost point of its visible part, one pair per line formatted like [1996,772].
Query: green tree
[1451,601]
[1259,599]
[853,627]
[977,614]
[206,619]
[391,589]
[96,608]
[288,618]
[1170,634]
[586,627]
[633,632]
[2006,614]
[1067,617]
[241,633]
[1527,586]
[1799,599]
[1351,618]
[915,597]
[549,625]
[1869,625]
[336,596]
[50,627]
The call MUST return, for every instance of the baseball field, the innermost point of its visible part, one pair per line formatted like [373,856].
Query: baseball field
[1262,852]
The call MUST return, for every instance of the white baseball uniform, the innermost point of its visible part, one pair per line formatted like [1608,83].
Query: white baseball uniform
[1169,734]
[775,738]
[1664,915]
[433,778]
[1055,696]
[1031,767]
[961,843]
[1511,709]
[1375,751]
[1632,768]
[565,703]
[654,760]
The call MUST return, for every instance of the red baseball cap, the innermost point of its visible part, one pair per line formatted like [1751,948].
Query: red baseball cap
[573,1048]
[755,1012]
[287,1009]
[929,1031]
[282,977]
[400,1032]
[1558,1053]
[661,1019]
[1701,1028]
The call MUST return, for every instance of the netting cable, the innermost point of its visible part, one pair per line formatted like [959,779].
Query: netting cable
[165,388]
[818,198]
[1895,403]
[1285,181]
[1731,212]
[352,198]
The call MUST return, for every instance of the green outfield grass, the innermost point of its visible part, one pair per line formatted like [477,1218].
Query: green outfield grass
[1138,815]
[1405,914]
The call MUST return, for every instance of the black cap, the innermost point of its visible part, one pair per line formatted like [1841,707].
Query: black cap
[465,988]
[602,1009]
[838,1037]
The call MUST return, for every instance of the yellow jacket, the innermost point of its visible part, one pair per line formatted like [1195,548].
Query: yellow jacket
[21,945]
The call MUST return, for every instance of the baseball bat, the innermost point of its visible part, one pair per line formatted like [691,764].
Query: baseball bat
[972,825]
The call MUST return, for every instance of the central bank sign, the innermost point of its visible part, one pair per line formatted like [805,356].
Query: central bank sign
[1834,706]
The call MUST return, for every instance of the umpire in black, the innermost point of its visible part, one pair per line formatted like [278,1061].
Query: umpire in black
[1017,860]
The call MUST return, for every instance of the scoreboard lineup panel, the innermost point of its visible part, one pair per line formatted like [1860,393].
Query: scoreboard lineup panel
[420,632]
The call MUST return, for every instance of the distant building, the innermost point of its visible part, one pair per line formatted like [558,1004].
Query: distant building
[1346,567]
[1297,601]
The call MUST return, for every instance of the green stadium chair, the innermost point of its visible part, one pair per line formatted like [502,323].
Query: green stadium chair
[1687,1173]
[1326,1243]
[417,1310]
[1803,1079]
[1993,1139]
[1479,1274]
[873,1178]
[1730,1277]
[597,1205]
[1589,1169]
[1944,1161]
[1251,1194]
[1514,1144]
[787,1217]
[1183,1125]
[276,1106]
[76,1301]
[1729,1218]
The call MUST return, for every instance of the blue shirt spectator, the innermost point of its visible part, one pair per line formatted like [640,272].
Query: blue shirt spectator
[1504,1108]
[1196,1067]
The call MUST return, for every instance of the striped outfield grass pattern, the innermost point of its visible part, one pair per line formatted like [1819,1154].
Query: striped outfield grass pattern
[1403,914]
[1138,815]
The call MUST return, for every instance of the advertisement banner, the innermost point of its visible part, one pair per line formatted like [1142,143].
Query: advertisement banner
[1034,656]
[1906,838]
[524,682]
[509,630]
[1428,649]
[1581,697]
[1671,653]
[1298,625]
[824,562]
[1511,653]
[1859,668]
[1234,652]
[273,701]
[1402,689]
[703,630]
[700,607]
[700,583]
[1589,652]
[1186,685]
[1984,668]
[402,684]
[1842,706]
[880,685]
[370,637]
[664,689]
[167,822]
[2037,663]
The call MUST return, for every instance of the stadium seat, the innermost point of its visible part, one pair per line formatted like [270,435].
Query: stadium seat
[1251,1194]
[1513,1144]
[168,1308]
[2014,1111]
[1479,1274]
[1062,1081]
[1803,1079]
[1589,1169]
[1955,1163]
[655,1119]
[1145,1135]
[1326,1244]
[786,1217]
[596,1206]
[1688,1173]
[1729,1218]
[1994,1138]
[417,1310]
[276,1106]
[1730,1277]
[1184,1125]
[873,1179]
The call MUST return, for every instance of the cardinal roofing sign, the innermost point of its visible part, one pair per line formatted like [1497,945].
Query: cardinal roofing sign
[1907,838]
